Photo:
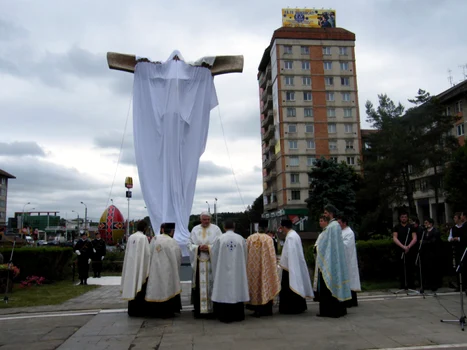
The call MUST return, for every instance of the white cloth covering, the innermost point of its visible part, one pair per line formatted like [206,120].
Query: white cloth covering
[171,106]
[135,265]
[229,256]
[164,279]
[348,237]
[293,260]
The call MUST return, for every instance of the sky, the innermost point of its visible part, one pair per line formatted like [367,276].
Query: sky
[64,116]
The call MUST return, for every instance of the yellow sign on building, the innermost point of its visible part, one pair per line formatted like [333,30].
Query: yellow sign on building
[311,18]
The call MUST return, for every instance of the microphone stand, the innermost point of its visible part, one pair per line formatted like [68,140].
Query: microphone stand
[418,262]
[10,263]
[406,289]
[462,318]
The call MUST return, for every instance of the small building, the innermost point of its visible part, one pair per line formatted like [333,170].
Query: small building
[4,177]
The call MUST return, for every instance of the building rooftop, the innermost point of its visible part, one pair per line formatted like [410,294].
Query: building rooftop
[454,92]
[5,174]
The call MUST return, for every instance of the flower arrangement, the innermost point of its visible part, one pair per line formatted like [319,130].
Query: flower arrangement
[13,269]
[32,281]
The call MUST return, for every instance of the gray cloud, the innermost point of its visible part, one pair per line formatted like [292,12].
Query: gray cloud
[18,149]
[10,31]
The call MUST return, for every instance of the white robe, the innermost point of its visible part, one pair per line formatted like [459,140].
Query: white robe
[293,261]
[171,106]
[164,279]
[203,236]
[135,265]
[348,237]
[229,257]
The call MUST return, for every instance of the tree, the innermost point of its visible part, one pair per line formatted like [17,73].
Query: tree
[332,183]
[455,181]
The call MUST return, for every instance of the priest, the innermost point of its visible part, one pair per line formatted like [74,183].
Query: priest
[333,282]
[263,279]
[83,249]
[163,289]
[201,240]
[136,271]
[230,289]
[295,283]
[348,238]
[99,251]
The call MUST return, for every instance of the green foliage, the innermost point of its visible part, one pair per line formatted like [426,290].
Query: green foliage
[113,261]
[332,183]
[52,263]
[455,180]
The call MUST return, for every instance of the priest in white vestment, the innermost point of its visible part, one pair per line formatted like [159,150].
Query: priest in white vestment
[295,283]
[201,240]
[136,271]
[230,290]
[163,289]
[348,237]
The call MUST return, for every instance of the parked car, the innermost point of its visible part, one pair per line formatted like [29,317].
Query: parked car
[41,242]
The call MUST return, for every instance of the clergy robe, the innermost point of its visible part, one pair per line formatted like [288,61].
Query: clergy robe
[84,246]
[348,237]
[163,288]
[263,279]
[230,289]
[333,280]
[295,281]
[171,108]
[135,273]
[99,251]
[202,281]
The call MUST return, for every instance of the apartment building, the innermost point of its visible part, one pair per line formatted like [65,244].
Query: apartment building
[309,109]
[4,177]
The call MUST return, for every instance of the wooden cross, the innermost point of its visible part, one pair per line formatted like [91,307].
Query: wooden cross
[222,64]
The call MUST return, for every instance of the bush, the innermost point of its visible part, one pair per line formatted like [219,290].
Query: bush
[51,263]
[113,261]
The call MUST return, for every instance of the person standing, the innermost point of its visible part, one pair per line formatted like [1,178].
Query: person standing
[295,283]
[201,240]
[83,249]
[333,281]
[263,279]
[430,256]
[405,237]
[230,289]
[348,237]
[163,288]
[99,250]
[136,271]
[323,223]
[455,239]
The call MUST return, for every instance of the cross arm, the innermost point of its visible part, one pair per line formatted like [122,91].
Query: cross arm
[222,64]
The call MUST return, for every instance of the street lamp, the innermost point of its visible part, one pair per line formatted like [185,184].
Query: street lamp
[22,216]
[85,216]
[74,211]
[215,209]
[209,208]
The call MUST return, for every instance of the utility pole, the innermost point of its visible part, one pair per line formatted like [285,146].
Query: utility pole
[215,209]
[85,217]
[209,208]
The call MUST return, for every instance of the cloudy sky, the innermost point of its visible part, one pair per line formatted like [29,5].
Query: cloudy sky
[63,112]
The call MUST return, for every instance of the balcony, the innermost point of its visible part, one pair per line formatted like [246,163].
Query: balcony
[267,120]
[271,160]
[270,206]
[262,79]
[270,176]
[269,134]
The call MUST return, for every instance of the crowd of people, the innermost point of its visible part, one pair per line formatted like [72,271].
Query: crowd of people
[231,274]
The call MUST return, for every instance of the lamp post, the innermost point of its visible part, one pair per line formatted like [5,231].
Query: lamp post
[22,216]
[209,208]
[74,211]
[85,217]
[129,186]
[215,209]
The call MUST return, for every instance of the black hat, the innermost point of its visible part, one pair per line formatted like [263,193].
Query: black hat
[169,226]
[263,223]
[286,223]
[83,233]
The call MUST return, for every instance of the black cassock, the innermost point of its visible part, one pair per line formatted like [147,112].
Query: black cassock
[99,246]
[290,302]
[85,248]
[138,307]
[166,309]
[329,306]
[229,312]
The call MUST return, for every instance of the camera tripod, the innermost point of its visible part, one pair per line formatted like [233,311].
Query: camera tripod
[462,318]
[406,288]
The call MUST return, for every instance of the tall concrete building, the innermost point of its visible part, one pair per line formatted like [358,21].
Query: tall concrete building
[4,177]
[309,109]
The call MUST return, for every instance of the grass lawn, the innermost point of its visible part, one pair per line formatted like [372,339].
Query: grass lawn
[368,286]
[46,294]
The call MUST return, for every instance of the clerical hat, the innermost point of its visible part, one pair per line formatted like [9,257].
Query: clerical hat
[263,223]
[286,223]
[169,225]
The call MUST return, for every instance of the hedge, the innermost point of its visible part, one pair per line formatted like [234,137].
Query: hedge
[52,263]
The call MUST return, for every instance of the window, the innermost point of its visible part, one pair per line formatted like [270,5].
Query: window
[343,51]
[292,128]
[291,112]
[308,112]
[305,50]
[306,81]
[326,50]
[351,160]
[293,144]
[459,107]
[295,195]
[294,178]
[328,81]
[329,96]
[307,96]
[2,192]
[332,128]
[349,144]
[331,112]
[346,96]
[332,145]
[2,204]
[310,161]
[294,161]
[3,180]
[288,80]
[344,66]
[347,112]
[2,215]
[310,144]
[348,128]
[460,129]
[334,159]
[287,49]
[290,96]
[288,64]
[309,128]
[305,65]
[327,65]
[345,81]
[448,110]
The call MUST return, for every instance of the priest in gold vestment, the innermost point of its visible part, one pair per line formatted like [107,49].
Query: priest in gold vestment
[263,279]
